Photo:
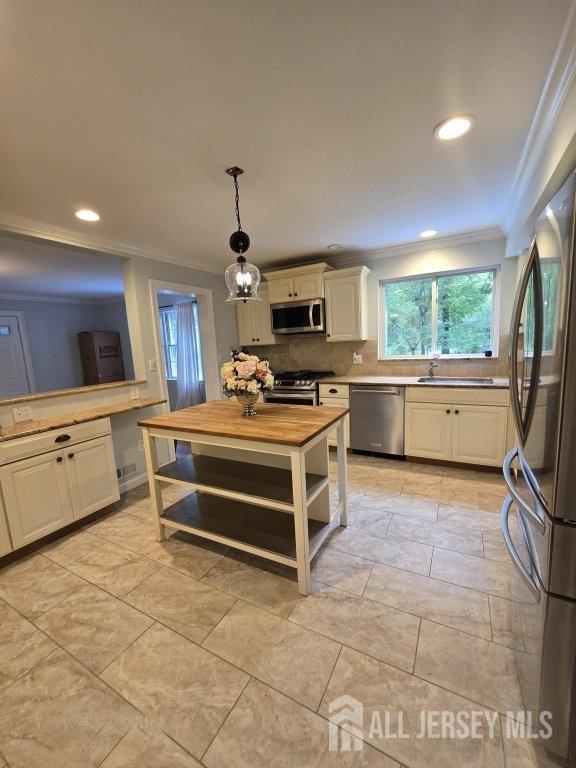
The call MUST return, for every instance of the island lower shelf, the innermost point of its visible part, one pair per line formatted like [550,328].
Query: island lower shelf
[260,530]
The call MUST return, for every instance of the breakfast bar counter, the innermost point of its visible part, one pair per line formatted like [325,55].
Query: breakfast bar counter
[259,484]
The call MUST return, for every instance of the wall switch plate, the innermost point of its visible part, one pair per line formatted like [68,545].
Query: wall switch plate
[23,413]
[356,358]
[135,393]
[153,366]
[140,444]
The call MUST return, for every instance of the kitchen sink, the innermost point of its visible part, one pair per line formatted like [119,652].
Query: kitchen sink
[453,380]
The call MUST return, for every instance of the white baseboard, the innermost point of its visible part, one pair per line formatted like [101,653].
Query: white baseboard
[132,482]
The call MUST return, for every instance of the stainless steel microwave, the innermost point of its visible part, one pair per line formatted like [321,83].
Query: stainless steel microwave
[298,316]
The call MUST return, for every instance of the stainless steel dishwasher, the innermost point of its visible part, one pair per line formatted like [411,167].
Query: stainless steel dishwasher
[377,419]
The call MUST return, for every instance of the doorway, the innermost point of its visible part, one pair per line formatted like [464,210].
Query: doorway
[16,375]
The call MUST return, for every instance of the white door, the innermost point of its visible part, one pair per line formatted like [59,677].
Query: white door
[428,430]
[281,290]
[479,434]
[338,402]
[343,322]
[36,497]
[91,472]
[308,287]
[13,375]
[245,317]
[262,320]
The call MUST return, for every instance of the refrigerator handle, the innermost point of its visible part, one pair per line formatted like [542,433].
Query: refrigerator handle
[538,340]
[507,472]
[516,559]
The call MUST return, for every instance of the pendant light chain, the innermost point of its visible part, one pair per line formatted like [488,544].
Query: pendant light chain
[237,202]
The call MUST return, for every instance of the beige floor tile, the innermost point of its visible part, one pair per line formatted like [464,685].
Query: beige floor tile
[143,750]
[495,548]
[182,555]
[433,470]
[278,652]
[473,572]
[491,502]
[187,606]
[254,585]
[186,691]
[392,485]
[465,499]
[93,626]
[387,691]
[268,729]
[370,519]
[338,569]
[22,646]
[506,622]
[59,714]
[36,585]
[474,519]
[432,491]
[140,509]
[448,604]
[423,509]
[115,569]
[368,626]
[469,666]
[125,531]
[437,534]
[520,751]
[389,550]
[68,550]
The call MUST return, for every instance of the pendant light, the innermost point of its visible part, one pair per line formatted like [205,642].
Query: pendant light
[241,277]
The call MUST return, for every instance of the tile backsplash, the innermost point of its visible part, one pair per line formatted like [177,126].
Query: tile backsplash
[321,355]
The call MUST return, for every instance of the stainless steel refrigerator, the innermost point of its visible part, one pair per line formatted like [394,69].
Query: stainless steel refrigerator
[538,517]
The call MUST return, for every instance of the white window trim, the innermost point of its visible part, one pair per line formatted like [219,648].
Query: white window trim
[382,314]
[163,311]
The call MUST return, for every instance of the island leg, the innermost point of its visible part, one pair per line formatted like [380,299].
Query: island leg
[342,473]
[298,463]
[156,503]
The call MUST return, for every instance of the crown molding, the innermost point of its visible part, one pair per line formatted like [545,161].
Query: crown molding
[60,299]
[559,79]
[16,225]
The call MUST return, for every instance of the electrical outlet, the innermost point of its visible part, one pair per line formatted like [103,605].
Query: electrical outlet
[356,358]
[153,366]
[23,413]
[135,393]
[141,444]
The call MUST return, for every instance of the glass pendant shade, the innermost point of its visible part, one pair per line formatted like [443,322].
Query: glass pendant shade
[242,280]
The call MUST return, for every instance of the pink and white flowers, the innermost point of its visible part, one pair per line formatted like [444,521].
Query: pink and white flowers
[246,374]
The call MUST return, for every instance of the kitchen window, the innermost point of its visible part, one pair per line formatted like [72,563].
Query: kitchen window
[449,314]
[169,328]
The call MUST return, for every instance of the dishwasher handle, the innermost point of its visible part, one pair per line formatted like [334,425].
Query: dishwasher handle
[385,391]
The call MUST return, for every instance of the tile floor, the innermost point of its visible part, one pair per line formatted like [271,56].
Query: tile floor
[119,651]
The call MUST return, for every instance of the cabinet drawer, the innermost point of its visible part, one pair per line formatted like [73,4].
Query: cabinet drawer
[333,390]
[438,394]
[34,445]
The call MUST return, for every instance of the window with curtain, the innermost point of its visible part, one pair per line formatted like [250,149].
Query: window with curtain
[169,329]
[448,314]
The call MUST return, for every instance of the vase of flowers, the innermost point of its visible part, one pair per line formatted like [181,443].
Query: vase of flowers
[245,376]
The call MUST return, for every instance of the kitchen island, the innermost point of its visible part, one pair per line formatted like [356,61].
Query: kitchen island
[258,484]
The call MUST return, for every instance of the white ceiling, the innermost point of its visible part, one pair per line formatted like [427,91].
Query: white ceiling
[136,107]
[30,268]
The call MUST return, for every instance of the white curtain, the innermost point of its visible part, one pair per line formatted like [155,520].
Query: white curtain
[187,357]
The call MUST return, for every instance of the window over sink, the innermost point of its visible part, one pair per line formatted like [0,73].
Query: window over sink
[449,314]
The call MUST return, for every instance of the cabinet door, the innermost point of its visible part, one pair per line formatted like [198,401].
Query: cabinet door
[245,317]
[281,289]
[343,321]
[36,497]
[262,320]
[91,472]
[479,434]
[5,544]
[428,430]
[308,287]
[338,402]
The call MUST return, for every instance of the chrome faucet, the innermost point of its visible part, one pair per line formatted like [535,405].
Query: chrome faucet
[433,366]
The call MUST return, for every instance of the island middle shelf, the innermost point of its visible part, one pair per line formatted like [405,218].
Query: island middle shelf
[253,483]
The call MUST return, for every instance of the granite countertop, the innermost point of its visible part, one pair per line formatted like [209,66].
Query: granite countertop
[412,381]
[27,428]
[71,391]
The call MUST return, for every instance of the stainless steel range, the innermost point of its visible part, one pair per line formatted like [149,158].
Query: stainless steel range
[296,387]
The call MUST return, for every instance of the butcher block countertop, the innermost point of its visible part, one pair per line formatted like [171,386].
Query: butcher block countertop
[412,381]
[35,427]
[292,425]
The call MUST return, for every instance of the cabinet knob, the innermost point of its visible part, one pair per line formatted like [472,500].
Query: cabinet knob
[70,455]
[447,410]
[289,294]
[59,459]
[257,339]
[333,391]
[456,412]
[327,335]
[295,294]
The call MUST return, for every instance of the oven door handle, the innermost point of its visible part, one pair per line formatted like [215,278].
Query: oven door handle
[291,395]
[507,472]
[515,557]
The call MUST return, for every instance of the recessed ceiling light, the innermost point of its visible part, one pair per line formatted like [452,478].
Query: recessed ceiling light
[453,128]
[87,215]
[429,233]
[335,247]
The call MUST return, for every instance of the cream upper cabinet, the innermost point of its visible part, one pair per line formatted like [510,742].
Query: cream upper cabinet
[479,434]
[91,474]
[428,430]
[296,283]
[254,321]
[346,304]
[36,496]
[308,286]
[281,290]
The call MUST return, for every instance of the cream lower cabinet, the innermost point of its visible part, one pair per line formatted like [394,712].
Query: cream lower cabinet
[479,434]
[428,430]
[91,474]
[336,397]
